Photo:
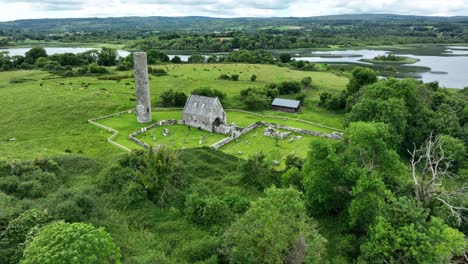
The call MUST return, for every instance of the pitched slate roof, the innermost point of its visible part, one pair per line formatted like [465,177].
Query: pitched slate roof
[286,103]
[200,105]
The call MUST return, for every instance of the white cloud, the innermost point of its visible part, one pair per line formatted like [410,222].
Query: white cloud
[22,9]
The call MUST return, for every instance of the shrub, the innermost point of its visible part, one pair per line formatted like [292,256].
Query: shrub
[332,101]
[224,77]
[289,87]
[159,72]
[66,243]
[207,210]
[199,250]
[235,77]
[176,59]
[257,172]
[72,205]
[285,57]
[14,236]
[172,98]
[94,68]
[123,66]
[196,59]
[253,78]
[83,70]
[301,98]
[206,91]
[307,82]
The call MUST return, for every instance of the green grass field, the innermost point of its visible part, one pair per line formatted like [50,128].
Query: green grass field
[255,142]
[47,114]
[179,137]
[406,60]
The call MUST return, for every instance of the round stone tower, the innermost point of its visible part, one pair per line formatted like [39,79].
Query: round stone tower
[143,107]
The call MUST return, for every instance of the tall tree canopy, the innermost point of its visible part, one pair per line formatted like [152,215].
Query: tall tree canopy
[275,229]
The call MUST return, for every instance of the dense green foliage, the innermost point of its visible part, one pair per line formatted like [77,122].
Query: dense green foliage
[275,229]
[257,33]
[60,242]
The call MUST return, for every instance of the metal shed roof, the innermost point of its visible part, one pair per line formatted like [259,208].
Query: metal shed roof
[286,103]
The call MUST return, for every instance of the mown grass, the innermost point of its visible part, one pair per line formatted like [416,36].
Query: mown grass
[255,142]
[179,137]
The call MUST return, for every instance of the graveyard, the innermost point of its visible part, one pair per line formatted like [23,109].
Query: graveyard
[183,137]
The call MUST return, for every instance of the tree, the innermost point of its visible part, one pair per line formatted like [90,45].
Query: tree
[212,59]
[196,59]
[156,56]
[35,53]
[301,98]
[156,171]
[370,146]
[325,183]
[404,233]
[275,229]
[360,77]
[61,242]
[107,57]
[306,82]
[368,198]
[206,91]
[180,98]
[176,59]
[207,210]
[430,165]
[289,87]
[14,236]
[445,121]
[253,78]
[257,172]
[172,98]
[256,101]
[285,57]
[392,112]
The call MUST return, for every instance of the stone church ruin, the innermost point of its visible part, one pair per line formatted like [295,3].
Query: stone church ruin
[206,113]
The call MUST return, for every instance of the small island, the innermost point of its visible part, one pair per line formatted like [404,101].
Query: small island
[391,59]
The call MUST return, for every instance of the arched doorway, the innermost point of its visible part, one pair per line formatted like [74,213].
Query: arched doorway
[217,122]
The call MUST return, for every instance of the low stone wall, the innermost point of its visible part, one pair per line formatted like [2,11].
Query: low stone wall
[334,135]
[223,142]
[114,132]
[140,143]
[244,131]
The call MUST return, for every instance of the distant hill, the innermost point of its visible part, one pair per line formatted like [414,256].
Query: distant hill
[205,24]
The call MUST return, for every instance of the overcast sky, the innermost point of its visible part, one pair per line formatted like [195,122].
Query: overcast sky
[23,9]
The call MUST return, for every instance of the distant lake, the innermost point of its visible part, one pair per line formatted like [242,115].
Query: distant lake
[446,64]
[52,51]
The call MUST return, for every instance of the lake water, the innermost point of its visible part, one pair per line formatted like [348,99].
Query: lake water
[446,64]
[52,51]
